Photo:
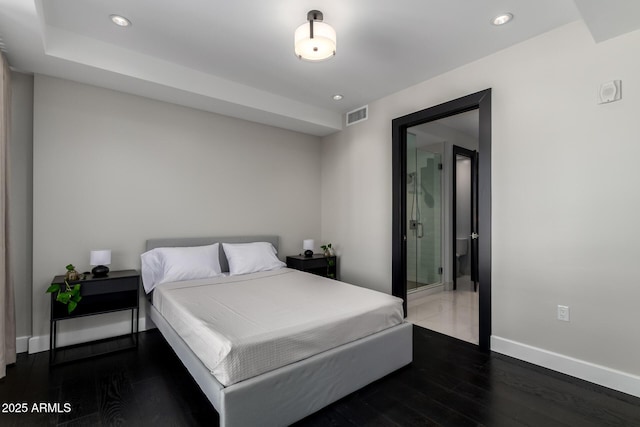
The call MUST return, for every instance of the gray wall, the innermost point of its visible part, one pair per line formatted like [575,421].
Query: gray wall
[112,170]
[564,191]
[21,200]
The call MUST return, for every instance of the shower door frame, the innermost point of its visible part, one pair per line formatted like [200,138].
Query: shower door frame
[482,102]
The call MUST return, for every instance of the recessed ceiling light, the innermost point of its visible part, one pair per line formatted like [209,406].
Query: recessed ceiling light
[120,21]
[337,97]
[502,19]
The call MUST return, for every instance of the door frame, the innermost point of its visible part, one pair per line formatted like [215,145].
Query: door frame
[482,102]
[472,155]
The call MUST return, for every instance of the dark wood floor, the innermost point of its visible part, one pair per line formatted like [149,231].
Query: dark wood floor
[450,383]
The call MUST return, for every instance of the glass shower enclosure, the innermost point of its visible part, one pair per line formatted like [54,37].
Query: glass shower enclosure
[424,213]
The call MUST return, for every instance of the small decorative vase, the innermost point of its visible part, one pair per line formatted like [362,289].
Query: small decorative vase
[72,275]
[327,252]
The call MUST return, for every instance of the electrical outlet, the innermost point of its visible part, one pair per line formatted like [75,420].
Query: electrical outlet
[563,313]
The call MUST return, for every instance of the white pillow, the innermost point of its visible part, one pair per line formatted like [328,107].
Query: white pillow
[163,265]
[151,269]
[251,257]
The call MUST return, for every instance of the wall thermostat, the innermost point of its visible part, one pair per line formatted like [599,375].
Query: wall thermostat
[610,91]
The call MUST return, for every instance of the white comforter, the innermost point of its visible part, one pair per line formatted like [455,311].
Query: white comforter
[243,326]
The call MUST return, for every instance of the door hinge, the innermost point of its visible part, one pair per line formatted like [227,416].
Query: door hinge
[439,166]
[440,270]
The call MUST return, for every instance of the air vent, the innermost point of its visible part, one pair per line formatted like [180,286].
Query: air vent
[357,115]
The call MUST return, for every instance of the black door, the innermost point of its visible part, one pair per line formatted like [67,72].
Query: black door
[465,214]
[481,101]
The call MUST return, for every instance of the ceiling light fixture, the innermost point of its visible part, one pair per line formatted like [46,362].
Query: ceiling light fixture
[337,97]
[315,40]
[502,19]
[120,21]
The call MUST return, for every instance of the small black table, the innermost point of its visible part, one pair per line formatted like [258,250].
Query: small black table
[117,292]
[325,266]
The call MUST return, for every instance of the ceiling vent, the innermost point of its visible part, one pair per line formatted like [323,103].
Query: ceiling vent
[358,115]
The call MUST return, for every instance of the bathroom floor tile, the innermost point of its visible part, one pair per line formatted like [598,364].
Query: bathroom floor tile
[454,313]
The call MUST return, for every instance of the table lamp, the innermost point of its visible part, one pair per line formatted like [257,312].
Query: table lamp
[100,258]
[307,245]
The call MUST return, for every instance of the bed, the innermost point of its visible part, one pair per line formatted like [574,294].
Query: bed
[313,371]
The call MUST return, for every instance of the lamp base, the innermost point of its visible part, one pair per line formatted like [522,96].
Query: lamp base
[308,253]
[100,271]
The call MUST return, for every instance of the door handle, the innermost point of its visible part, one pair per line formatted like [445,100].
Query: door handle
[420,230]
[474,236]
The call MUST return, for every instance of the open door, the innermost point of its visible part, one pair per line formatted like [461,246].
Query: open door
[475,248]
[482,246]
[465,215]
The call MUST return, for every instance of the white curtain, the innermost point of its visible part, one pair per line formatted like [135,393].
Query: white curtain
[7,313]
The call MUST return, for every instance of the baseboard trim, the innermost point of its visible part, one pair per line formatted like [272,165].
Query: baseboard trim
[598,374]
[22,344]
[424,291]
[40,343]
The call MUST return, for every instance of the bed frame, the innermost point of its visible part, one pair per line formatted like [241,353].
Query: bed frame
[289,393]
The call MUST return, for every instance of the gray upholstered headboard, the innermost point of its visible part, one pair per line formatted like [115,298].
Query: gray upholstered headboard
[202,241]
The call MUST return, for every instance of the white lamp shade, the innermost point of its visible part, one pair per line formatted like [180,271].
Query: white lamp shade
[308,245]
[321,46]
[100,257]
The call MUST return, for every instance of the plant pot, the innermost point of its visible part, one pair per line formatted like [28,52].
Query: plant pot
[72,275]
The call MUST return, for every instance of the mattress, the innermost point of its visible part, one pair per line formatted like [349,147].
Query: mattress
[244,326]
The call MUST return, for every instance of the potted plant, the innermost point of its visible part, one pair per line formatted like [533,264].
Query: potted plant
[67,294]
[327,249]
[328,253]
[72,274]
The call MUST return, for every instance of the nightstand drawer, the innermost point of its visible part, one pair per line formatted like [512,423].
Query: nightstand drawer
[109,286]
[317,264]
[116,281]
[306,264]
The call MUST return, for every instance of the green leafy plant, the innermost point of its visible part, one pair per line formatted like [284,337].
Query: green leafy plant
[70,267]
[326,248]
[67,294]
[331,262]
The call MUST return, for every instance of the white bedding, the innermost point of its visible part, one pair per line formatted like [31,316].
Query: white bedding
[243,326]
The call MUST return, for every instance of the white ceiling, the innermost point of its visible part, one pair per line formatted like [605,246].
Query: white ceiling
[236,57]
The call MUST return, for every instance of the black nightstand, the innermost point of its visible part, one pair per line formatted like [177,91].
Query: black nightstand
[117,292]
[317,264]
